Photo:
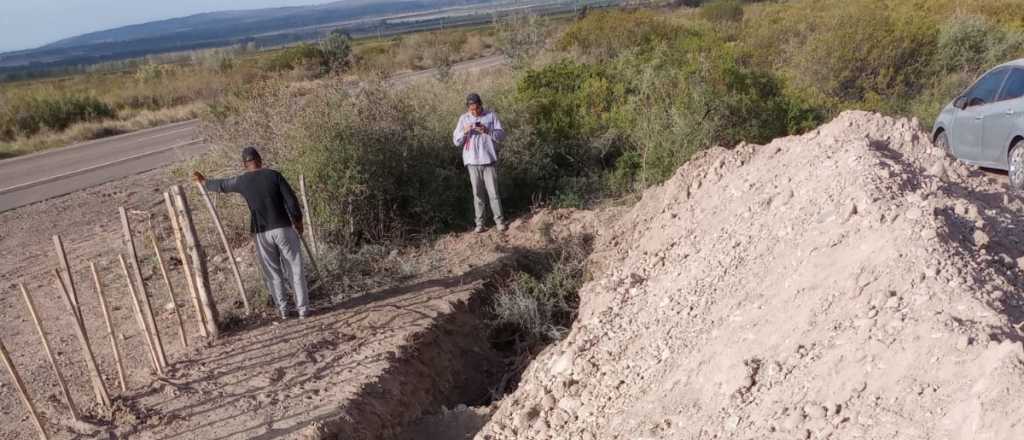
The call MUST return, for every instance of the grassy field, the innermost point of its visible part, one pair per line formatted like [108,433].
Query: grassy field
[126,96]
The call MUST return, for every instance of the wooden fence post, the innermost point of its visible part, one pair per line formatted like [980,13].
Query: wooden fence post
[309,218]
[62,258]
[185,264]
[139,318]
[94,372]
[49,353]
[147,309]
[110,327]
[170,291]
[21,389]
[198,260]
[227,246]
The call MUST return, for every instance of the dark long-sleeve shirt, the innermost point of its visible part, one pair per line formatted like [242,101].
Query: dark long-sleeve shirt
[272,203]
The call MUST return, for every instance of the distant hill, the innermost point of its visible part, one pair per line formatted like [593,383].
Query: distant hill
[264,26]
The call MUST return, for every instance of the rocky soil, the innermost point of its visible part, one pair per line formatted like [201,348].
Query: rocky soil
[850,283]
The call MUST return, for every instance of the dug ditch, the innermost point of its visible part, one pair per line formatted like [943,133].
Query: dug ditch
[443,385]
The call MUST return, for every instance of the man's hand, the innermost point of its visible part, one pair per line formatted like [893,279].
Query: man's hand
[298,227]
[198,177]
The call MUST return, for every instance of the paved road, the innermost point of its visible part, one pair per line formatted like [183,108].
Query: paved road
[37,177]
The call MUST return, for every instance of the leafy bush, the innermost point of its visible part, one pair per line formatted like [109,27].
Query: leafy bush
[337,50]
[300,56]
[639,116]
[604,35]
[31,115]
[967,43]
[379,161]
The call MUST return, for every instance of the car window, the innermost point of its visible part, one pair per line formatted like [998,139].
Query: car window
[984,91]
[1014,87]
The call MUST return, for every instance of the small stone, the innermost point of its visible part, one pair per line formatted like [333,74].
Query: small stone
[938,169]
[893,302]
[980,238]
[1020,263]
[732,423]
[558,418]
[848,210]
[962,342]
[872,313]
[913,213]
[815,412]
[793,420]
[548,401]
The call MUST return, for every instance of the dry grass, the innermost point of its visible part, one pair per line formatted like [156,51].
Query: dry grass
[424,50]
[135,120]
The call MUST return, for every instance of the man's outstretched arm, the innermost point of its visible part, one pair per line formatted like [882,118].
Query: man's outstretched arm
[229,185]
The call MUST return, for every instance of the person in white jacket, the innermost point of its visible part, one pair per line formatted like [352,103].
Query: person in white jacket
[479,133]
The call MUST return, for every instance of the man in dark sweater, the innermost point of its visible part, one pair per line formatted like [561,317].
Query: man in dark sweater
[275,222]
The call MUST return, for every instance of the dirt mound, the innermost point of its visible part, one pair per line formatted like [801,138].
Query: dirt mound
[853,282]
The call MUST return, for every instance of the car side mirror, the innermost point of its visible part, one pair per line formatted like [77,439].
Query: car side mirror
[960,102]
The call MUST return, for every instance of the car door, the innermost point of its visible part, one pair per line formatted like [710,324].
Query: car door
[968,125]
[1000,119]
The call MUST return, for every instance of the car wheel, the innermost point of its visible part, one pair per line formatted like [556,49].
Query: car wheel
[1017,167]
[942,141]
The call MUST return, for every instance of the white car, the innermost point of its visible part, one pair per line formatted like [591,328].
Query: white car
[984,126]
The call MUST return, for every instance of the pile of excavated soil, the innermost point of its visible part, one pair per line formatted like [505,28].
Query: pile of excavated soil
[850,283]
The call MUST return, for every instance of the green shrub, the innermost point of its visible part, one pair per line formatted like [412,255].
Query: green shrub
[973,43]
[302,55]
[28,116]
[604,35]
[337,50]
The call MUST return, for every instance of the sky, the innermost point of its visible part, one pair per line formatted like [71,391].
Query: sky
[26,24]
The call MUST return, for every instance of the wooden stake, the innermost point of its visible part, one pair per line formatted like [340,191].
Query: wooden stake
[140,319]
[170,291]
[147,309]
[199,262]
[21,390]
[178,243]
[63,260]
[308,217]
[97,380]
[227,246]
[49,353]
[312,259]
[110,327]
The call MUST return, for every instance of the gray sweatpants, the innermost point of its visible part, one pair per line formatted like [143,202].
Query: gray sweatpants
[280,253]
[484,179]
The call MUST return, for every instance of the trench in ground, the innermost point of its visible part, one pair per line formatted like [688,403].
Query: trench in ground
[443,386]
